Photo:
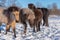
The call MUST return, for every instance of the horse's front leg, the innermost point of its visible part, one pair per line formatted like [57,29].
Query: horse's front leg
[38,26]
[25,29]
[13,27]
[47,21]
[34,26]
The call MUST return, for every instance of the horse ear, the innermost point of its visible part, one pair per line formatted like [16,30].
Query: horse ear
[4,11]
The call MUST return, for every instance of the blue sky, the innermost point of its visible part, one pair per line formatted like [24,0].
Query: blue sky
[44,3]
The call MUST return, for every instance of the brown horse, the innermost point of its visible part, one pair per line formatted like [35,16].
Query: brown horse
[45,16]
[10,14]
[45,13]
[27,14]
[16,12]
[38,16]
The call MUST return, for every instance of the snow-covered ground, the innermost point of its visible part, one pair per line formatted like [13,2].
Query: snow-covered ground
[47,33]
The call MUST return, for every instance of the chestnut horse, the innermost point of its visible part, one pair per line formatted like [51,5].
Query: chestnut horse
[38,16]
[27,14]
[10,14]
[45,13]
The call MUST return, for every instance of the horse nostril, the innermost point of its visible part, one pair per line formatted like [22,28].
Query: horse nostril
[17,21]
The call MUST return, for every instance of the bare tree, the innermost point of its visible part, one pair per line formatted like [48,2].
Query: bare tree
[49,6]
[11,2]
[54,6]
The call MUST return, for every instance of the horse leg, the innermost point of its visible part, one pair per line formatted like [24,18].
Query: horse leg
[34,29]
[13,27]
[25,27]
[46,21]
[7,28]
[43,20]
[34,25]
[38,26]
[14,31]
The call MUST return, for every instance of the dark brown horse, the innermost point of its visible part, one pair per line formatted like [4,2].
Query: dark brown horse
[45,13]
[45,16]
[38,16]
[10,14]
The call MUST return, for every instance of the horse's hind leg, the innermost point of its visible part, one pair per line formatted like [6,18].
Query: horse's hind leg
[47,21]
[44,20]
[7,28]
[13,27]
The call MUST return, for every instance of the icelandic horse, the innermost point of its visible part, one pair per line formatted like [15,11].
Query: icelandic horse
[45,16]
[45,13]
[38,16]
[11,18]
[26,14]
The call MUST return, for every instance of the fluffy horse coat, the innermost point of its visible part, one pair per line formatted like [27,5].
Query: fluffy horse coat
[38,16]
[45,13]
[10,14]
[27,14]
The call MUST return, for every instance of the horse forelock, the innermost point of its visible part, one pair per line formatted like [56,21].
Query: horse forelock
[13,8]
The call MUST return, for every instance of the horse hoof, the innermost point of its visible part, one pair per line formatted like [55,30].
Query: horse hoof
[34,31]
[15,36]
[43,24]
[5,33]
[39,30]
[47,25]
[24,33]
[0,31]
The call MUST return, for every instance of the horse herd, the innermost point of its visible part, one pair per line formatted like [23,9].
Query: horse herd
[31,14]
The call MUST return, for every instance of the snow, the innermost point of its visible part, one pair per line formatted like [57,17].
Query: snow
[47,33]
